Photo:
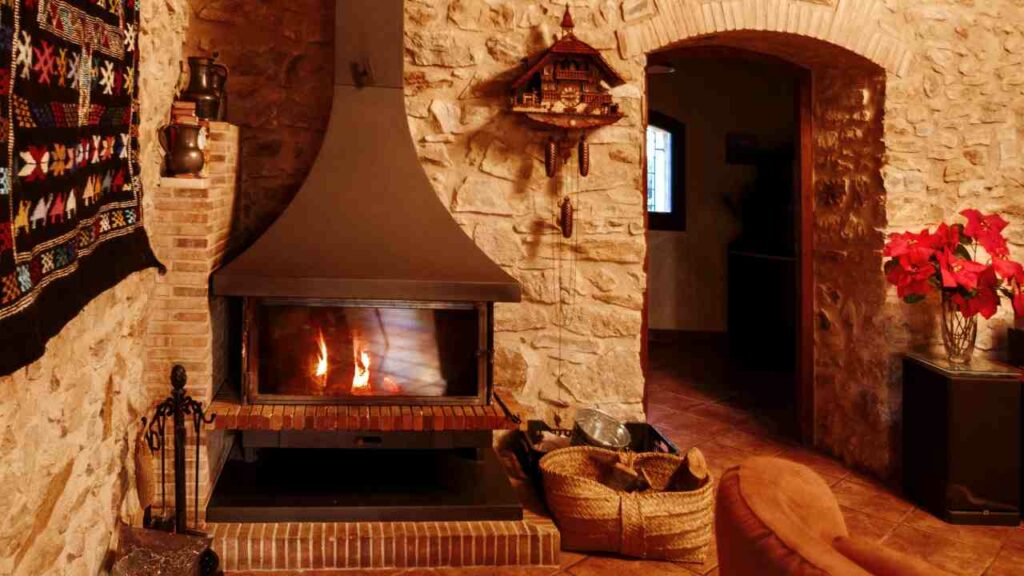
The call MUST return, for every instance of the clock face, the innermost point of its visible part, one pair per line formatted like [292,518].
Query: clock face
[570,96]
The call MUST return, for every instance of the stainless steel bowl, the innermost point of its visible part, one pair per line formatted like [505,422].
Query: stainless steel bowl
[596,428]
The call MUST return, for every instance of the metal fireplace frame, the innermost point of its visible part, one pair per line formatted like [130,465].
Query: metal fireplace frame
[250,356]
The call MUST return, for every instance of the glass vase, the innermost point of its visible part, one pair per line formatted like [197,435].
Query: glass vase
[958,332]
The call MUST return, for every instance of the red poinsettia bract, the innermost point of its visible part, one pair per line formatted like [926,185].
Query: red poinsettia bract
[988,231]
[946,260]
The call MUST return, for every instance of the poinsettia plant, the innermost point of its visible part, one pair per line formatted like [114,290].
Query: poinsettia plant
[946,261]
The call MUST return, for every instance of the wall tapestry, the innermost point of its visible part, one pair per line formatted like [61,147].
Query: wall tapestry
[70,192]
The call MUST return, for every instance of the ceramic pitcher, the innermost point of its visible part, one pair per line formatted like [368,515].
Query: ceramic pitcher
[206,83]
[183,145]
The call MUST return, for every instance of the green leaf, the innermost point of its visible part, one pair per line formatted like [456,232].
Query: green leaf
[962,252]
[913,298]
[890,265]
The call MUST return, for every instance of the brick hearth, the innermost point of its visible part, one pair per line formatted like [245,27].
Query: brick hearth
[269,548]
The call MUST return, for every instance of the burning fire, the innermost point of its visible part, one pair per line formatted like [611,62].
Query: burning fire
[361,377]
[390,386]
[361,368]
[320,370]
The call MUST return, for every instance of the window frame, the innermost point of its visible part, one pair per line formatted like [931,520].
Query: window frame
[676,219]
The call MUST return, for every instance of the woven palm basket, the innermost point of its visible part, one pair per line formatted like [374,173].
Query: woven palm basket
[652,524]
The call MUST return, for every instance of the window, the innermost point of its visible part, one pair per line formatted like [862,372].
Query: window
[666,147]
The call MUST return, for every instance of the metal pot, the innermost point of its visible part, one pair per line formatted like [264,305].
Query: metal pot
[596,428]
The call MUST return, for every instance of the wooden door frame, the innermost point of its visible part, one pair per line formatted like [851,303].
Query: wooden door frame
[804,393]
[805,260]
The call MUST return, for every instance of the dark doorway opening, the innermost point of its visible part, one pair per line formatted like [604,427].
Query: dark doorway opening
[725,287]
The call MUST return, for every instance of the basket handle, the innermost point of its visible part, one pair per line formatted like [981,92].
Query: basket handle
[631,537]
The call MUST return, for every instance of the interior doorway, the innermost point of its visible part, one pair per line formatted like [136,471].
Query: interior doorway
[727,165]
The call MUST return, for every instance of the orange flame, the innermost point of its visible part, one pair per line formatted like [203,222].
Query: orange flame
[320,370]
[361,377]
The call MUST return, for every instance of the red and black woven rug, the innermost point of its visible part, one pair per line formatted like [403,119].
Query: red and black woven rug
[70,192]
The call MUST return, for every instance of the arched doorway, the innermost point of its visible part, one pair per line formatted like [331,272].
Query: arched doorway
[838,209]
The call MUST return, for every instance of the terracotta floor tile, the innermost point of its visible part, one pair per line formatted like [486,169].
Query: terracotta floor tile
[678,399]
[692,409]
[946,553]
[1016,537]
[1009,562]
[611,566]
[567,559]
[683,439]
[815,461]
[721,457]
[972,534]
[685,421]
[758,445]
[720,413]
[661,413]
[872,500]
[866,526]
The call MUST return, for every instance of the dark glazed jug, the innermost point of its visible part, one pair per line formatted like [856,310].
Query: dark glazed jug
[206,82]
[184,148]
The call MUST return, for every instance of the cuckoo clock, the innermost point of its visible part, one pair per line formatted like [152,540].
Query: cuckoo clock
[566,88]
[567,85]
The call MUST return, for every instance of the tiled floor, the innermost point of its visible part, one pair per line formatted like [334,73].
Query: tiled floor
[689,402]
[694,405]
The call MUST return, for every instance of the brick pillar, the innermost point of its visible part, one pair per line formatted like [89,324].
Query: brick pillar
[190,229]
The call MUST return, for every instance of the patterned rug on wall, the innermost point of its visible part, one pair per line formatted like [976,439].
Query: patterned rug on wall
[70,192]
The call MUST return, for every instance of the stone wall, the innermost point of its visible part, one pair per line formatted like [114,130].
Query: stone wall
[939,111]
[575,338]
[953,127]
[281,60]
[853,416]
[68,422]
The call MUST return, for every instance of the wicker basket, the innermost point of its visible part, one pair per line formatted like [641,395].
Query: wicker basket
[652,524]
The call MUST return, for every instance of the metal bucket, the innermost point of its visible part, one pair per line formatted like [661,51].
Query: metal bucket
[596,428]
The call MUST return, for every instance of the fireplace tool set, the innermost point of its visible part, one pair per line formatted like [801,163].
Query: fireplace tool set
[176,409]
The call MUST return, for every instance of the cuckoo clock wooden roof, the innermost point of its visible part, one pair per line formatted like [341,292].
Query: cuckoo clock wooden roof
[567,85]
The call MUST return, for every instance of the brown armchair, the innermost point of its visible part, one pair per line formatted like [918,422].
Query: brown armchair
[774,517]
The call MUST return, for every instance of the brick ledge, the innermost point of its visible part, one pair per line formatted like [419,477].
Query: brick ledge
[232,415]
[329,548]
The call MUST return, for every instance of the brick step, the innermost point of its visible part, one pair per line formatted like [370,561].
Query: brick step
[342,547]
[232,415]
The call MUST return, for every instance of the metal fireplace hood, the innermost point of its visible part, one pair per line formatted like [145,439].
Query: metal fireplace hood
[367,224]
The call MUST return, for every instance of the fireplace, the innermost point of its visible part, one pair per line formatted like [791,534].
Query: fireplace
[366,352]
[364,392]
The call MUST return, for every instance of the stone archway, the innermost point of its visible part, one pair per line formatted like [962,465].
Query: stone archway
[848,55]
[856,25]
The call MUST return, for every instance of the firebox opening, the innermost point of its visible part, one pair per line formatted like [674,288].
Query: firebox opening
[363,352]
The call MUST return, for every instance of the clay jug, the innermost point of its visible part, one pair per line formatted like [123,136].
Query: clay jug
[206,81]
[183,145]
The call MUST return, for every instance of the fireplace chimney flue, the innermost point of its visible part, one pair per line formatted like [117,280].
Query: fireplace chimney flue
[367,224]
